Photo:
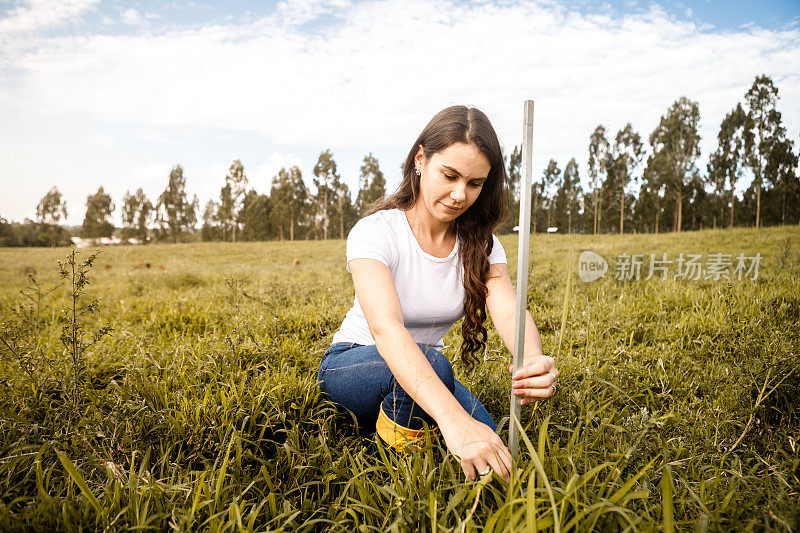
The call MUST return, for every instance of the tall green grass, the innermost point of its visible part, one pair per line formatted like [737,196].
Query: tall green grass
[677,409]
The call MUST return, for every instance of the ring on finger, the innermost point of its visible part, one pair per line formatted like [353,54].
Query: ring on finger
[485,471]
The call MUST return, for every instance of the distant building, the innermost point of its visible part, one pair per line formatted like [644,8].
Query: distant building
[515,229]
[81,242]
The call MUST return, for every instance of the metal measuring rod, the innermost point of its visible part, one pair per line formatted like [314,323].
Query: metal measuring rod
[522,268]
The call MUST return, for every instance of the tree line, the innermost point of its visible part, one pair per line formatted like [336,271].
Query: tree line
[290,211]
[673,194]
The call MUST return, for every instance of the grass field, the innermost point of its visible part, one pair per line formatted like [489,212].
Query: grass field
[678,408]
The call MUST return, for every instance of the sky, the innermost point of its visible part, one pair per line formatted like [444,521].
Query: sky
[114,94]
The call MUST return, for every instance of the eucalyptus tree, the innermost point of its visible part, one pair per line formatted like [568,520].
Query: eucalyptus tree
[765,122]
[514,180]
[781,172]
[625,156]
[97,219]
[370,175]
[325,175]
[727,162]
[237,181]
[372,185]
[512,190]
[650,203]
[598,163]
[716,178]
[697,200]
[289,198]
[254,217]
[136,214]
[551,178]
[676,146]
[514,172]
[225,210]
[176,214]
[567,196]
[210,230]
[52,208]
[342,205]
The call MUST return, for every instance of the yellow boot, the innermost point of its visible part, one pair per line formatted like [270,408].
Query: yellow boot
[397,436]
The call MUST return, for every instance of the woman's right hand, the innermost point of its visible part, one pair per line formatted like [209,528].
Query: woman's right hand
[476,446]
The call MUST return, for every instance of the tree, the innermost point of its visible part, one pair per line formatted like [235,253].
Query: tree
[210,230]
[32,233]
[567,196]
[514,177]
[324,177]
[780,173]
[550,179]
[598,155]
[288,198]
[651,193]
[176,214]
[676,144]
[697,200]
[6,233]
[715,176]
[343,208]
[96,221]
[764,120]
[225,210]
[515,184]
[51,210]
[725,164]
[372,185]
[254,217]
[136,214]
[625,157]
[237,181]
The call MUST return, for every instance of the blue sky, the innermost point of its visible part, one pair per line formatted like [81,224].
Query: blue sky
[115,93]
[719,15]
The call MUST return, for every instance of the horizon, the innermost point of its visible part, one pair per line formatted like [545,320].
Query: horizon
[354,77]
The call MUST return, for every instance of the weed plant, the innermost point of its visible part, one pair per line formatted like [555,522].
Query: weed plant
[677,410]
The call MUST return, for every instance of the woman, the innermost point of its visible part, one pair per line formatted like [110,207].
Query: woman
[420,260]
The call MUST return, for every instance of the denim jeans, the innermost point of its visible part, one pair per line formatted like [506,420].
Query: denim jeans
[356,377]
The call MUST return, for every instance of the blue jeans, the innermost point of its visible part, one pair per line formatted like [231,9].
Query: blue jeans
[356,377]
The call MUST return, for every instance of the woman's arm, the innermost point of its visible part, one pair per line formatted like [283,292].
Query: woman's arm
[538,372]
[475,446]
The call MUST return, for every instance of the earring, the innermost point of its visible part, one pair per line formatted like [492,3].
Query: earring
[419,174]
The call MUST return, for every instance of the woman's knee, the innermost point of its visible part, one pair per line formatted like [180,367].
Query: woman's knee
[441,365]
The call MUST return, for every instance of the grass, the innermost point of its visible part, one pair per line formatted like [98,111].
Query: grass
[677,410]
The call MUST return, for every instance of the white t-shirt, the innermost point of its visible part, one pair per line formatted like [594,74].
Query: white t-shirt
[430,288]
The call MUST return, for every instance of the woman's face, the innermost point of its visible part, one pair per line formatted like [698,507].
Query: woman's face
[451,180]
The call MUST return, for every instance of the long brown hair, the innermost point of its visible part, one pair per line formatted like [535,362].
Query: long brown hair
[474,227]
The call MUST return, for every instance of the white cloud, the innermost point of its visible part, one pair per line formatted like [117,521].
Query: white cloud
[131,17]
[204,181]
[261,177]
[367,76]
[297,12]
[39,14]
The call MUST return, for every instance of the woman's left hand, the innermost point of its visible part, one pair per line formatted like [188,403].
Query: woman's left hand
[537,379]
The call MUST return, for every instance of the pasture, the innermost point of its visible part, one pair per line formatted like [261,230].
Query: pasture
[678,406]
